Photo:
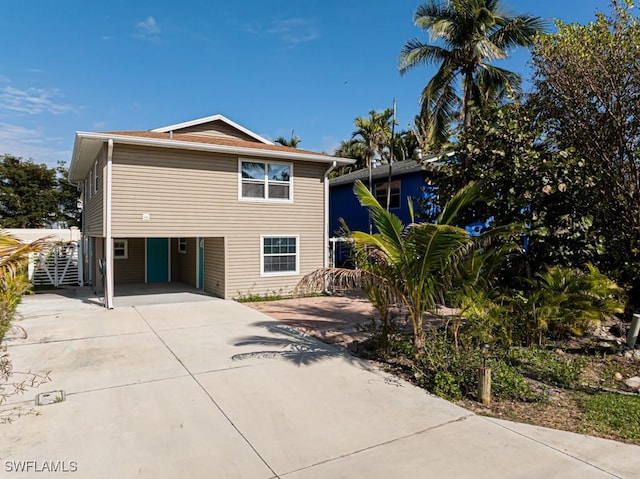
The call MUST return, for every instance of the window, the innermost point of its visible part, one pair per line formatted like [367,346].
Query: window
[279,255]
[265,181]
[90,183]
[96,176]
[182,245]
[120,249]
[381,194]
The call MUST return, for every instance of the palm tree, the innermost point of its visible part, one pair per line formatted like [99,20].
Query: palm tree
[291,142]
[468,35]
[14,283]
[413,264]
[374,132]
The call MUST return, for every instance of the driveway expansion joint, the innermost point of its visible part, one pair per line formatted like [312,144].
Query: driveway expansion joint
[565,453]
[380,444]
[213,401]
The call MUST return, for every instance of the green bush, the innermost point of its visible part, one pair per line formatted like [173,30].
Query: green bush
[453,373]
[550,367]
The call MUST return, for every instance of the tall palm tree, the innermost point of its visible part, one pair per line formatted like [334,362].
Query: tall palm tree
[374,132]
[466,36]
[292,142]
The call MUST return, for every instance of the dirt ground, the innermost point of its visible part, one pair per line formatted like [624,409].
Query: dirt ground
[331,319]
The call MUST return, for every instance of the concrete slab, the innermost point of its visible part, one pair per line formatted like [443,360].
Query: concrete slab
[163,317]
[165,429]
[618,458]
[299,416]
[472,447]
[65,325]
[214,389]
[97,363]
[233,344]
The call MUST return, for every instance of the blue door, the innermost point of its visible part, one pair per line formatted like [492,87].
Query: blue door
[157,260]
[200,263]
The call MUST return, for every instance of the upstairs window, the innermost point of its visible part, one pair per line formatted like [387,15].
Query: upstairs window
[261,180]
[381,194]
[96,177]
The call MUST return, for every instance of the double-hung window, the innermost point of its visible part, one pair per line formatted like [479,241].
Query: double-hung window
[182,245]
[265,180]
[279,255]
[382,191]
[120,249]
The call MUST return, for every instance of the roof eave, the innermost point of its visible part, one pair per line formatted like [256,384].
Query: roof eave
[77,168]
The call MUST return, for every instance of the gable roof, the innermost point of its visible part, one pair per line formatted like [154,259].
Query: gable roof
[88,144]
[398,169]
[210,119]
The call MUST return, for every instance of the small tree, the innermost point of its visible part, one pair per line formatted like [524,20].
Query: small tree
[587,93]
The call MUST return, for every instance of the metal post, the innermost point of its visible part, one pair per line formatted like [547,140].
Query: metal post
[634,329]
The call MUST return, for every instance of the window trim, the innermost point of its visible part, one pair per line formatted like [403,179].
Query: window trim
[386,183]
[90,183]
[125,243]
[266,163]
[262,255]
[95,177]
[182,245]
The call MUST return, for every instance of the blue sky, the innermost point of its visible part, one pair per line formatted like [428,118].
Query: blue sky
[271,66]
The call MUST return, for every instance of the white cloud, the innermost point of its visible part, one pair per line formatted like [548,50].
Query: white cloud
[32,143]
[32,101]
[147,29]
[291,31]
[329,144]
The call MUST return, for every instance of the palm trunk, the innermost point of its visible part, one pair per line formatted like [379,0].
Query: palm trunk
[465,112]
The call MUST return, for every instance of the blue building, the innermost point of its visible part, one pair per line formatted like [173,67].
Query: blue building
[408,179]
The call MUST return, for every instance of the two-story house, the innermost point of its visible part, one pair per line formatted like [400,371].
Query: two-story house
[206,202]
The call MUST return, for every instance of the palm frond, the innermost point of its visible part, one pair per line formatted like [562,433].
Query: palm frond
[463,198]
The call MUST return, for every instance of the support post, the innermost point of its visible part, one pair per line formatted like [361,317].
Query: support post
[484,385]
[634,329]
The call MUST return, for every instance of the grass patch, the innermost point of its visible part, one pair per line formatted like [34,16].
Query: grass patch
[613,414]
[254,298]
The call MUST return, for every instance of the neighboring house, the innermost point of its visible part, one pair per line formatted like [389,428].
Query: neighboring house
[206,202]
[408,179]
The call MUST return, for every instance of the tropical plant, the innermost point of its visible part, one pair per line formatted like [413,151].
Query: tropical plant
[13,275]
[468,35]
[587,93]
[374,133]
[416,262]
[562,301]
[292,142]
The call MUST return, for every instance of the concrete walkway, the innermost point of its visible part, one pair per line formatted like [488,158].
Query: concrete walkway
[214,389]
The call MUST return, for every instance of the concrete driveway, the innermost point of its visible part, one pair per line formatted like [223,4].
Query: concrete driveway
[214,389]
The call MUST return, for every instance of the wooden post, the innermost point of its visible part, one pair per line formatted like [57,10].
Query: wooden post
[484,385]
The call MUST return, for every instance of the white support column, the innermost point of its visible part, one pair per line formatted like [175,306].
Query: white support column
[108,240]
[326,214]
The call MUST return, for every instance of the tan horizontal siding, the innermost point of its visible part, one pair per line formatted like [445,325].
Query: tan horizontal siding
[94,207]
[215,281]
[218,129]
[196,194]
[243,257]
[131,270]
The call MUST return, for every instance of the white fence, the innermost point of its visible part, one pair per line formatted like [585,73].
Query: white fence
[57,265]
